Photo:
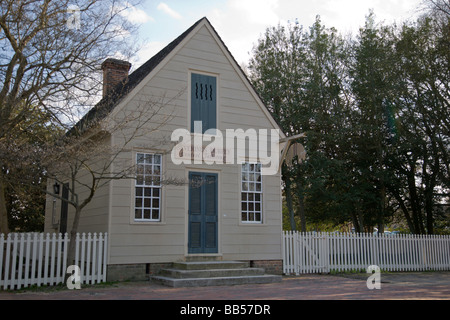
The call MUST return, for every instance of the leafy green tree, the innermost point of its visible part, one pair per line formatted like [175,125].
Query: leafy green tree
[24,180]
[300,75]
[422,163]
[277,71]
[375,111]
[374,86]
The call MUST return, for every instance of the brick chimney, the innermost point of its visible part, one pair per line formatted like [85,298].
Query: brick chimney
[114,72]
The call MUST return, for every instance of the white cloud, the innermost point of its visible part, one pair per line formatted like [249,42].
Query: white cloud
[166,9]
[256,11]
[241,22]
[134,15]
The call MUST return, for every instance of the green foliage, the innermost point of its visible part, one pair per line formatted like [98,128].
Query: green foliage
[23,176]
[375,110]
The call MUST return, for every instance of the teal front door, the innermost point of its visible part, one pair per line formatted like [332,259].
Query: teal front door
[203,197]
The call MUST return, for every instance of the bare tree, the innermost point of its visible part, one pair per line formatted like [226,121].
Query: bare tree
[50,59]
[441,7]
[90,155]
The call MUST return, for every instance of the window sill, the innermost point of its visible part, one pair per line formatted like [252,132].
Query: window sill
[144,222]
[256,223]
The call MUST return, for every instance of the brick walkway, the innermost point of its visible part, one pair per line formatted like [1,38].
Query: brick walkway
[428,285]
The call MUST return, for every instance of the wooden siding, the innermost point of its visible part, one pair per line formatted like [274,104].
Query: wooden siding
[166,241]
[94,217]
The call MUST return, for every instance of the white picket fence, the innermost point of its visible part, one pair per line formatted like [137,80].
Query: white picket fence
[323,252]
[28,259]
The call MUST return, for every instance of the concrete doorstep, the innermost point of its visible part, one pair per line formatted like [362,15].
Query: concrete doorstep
[212,273]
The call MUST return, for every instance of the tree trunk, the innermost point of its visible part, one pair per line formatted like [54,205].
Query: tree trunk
[415,204]
[382,209]
[405,212]
[73,235]
[429,193]
[355,222]
[301,207]
[3,210]
[288,194]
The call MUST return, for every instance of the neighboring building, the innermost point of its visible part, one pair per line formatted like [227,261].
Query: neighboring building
[233,214]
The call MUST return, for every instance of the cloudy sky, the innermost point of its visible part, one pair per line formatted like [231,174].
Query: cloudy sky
[241,22]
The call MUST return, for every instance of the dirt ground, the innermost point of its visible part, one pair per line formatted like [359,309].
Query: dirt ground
[394,286]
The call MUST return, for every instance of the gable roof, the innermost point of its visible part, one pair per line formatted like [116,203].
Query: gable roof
[109,102]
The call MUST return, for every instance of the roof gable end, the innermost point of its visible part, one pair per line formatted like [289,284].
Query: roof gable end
[124,91]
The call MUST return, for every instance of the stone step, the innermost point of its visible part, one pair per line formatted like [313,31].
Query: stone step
[216,281]
[207,265]
[203,258]
[210,273]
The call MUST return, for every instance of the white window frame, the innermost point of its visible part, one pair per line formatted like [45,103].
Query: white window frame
[147,187]
[251,204]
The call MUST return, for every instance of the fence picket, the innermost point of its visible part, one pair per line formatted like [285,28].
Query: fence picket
[34,256]
[66,248]
[94,249]
[27,258]
[21,240]
[311,252]
[14,262]
[40,259]
[58,260]
[2,254]
[99,258]
[105,256]
[83,257]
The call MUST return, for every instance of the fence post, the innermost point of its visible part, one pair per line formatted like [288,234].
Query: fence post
[88,258]
[83,259]
[53,260]
[21,237]
[41,254]
[59,273]
[2,258]
[327,252]
[99,257]
[94,250]
[295,247]
[27,260]
[66,249]
[105,255]
[283,255]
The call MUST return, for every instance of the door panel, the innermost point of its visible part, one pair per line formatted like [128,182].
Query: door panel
[203,213]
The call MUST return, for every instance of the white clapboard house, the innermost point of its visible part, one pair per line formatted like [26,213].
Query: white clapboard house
[228,211]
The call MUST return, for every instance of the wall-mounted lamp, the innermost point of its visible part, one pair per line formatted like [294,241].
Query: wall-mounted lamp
[56,188]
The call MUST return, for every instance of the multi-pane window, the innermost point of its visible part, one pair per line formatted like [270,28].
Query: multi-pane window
[148,187]
[251,193]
